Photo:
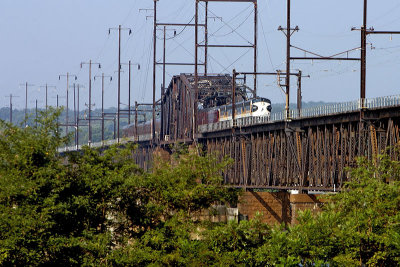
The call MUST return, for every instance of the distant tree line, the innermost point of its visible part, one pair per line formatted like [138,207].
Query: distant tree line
[18,118]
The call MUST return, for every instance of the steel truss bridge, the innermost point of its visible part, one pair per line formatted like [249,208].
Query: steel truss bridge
[311,150]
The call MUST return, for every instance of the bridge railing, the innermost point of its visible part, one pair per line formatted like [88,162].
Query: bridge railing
[332,109]
[123,140]
[326,110]
[385,101]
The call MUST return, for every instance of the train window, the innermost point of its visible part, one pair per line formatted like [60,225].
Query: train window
[254,108]
[269,108]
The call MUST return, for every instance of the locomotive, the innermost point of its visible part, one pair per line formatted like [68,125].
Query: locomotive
[256,107]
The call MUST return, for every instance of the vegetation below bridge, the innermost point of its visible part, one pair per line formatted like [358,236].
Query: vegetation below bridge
[101,209]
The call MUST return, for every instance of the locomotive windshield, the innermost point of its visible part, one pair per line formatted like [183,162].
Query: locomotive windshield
[261,99]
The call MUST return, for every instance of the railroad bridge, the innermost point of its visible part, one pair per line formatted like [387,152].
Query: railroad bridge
[308,150]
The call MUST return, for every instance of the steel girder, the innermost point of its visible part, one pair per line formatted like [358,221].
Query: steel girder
[311,158]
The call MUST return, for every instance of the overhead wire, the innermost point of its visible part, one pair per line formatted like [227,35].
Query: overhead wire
[238,27]
[266,44]
[234,30]
[234,17]
[130,12]
[179,32]
[147,73]
[245,53]
[373,20]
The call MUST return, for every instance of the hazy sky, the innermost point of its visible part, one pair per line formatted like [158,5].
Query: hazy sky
[39,40]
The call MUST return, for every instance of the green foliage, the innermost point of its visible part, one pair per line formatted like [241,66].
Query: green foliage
[236,243]
[189,186]
[98,208]
[357,226]
[84,208]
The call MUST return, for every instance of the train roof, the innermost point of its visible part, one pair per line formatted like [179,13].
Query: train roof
[261,99]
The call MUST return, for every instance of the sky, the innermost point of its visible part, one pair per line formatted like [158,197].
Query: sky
[40,40]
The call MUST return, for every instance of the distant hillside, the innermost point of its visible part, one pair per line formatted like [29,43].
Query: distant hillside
[280,107]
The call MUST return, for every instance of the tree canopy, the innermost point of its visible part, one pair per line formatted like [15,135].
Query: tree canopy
[99,208]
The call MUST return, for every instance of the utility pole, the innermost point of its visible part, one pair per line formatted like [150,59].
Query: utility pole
[234,73]
[288,32]
[36,112]
[363,54]
[299,96]
[288,35]
[164,63]
[90,63]
[77,116]
[164,56]
[102,103]
[206,45]
[206,40]
[119,74]
[11,96]
[255,55]
[136,122]
[47,87]
[129,95]
[26,101]
[67,111]
[11,106]
[153,128]
[299,90]
[57,97]
[76,113]
[364,33]
[115,128]
[196,74]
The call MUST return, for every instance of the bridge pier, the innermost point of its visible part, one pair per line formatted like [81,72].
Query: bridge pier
[276,207]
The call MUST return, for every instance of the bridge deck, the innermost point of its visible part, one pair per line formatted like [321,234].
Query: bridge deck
[308,151]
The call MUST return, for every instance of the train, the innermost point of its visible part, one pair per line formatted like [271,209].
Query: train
[143,128]
[256,107]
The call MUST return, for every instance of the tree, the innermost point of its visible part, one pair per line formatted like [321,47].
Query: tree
[358,226]
[83,208]
[56,210]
